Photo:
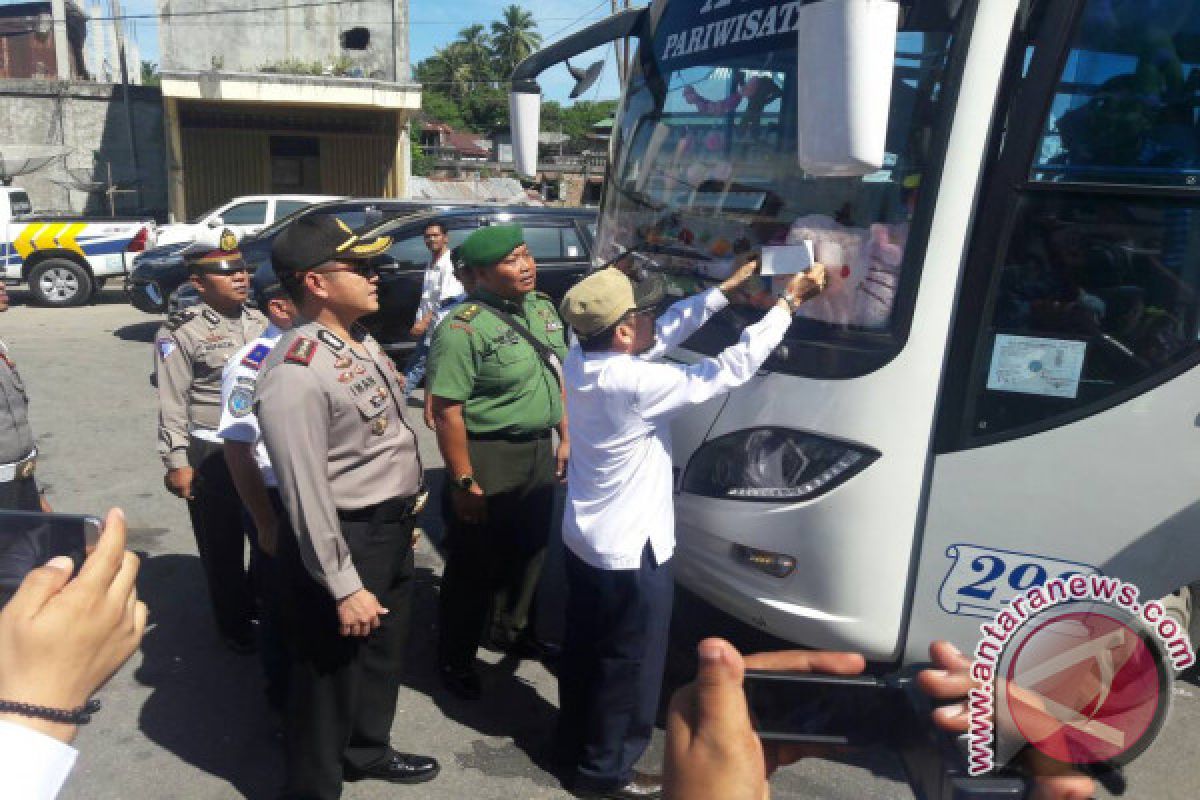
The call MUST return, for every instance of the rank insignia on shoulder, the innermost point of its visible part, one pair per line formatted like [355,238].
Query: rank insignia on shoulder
[241,402]
[301,351]
[255,357]
[468,313]
[332,340]
[543,296]
[211,317]
[165,346]
[179,319]
[462,326]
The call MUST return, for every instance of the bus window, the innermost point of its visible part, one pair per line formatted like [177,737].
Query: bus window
[1125,108]
[706,170]
[1097,295]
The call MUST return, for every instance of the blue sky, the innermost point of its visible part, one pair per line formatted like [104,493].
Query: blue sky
[435,23]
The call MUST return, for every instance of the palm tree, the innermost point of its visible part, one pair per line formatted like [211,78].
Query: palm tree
[476,46]
[514,37]
[450,69]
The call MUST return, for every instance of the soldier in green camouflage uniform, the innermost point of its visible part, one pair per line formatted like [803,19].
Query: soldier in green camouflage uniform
[496,401]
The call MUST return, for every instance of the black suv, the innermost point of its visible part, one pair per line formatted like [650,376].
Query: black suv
[159,271]
[559,239]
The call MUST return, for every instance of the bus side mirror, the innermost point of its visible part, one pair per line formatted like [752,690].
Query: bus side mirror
[845,56]
[525,115]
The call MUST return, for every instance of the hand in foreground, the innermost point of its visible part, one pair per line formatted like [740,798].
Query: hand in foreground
[359,613]
[950,680]
[62,639]
[179,482]
[712,749]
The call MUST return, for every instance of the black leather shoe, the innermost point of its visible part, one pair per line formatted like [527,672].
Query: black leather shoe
[462,682]
[642,787]
[537,649]
[397,768]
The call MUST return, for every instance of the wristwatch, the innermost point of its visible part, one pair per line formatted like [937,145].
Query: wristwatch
[793,303]
[465,482]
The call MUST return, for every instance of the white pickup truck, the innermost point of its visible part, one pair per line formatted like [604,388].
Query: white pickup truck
[242,215]
[65,260]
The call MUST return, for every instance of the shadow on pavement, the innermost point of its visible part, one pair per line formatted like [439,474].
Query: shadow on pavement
[139,331]
[208,706]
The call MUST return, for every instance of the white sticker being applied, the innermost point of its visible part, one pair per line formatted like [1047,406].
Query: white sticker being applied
[981,580]
[1029,365]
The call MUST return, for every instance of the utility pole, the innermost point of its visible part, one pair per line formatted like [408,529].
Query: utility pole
[119,31]
[621,46]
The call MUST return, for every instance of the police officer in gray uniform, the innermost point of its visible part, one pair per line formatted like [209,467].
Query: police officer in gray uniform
[351,480]
[190,351]
[18,456]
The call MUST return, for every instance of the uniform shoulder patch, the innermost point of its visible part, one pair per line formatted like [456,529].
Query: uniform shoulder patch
[469,312]
[241,401]
[165,345]
[254,358]
[179,319]
[301,351]
[211,317]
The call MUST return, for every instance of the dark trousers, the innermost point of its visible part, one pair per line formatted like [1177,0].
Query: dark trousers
[221,537]
[20,495]
[342,690]
[611,671]
[268,591]
[495,567]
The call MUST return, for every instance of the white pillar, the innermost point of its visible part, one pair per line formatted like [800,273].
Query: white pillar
[62,48]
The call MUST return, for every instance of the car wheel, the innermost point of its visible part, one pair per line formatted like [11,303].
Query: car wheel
[60,283]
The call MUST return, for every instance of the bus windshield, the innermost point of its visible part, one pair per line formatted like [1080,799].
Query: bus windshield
[705,169]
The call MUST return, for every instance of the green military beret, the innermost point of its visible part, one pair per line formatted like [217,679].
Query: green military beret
[487,246]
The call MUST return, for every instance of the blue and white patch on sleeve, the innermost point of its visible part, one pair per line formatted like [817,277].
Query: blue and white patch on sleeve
[255,357]
[241,402]
[166,346]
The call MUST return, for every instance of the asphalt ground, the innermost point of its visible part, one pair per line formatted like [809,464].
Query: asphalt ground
[185,718]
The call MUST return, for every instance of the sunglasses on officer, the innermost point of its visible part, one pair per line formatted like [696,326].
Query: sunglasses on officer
[363,269]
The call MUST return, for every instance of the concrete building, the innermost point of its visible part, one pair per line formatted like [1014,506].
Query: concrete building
[305,99]
[61,95]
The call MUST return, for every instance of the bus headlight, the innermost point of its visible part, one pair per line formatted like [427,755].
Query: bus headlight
[772,464]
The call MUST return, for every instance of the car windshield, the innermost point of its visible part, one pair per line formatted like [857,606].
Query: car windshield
[705,169]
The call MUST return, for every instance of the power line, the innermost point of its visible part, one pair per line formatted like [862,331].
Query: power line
[574,22]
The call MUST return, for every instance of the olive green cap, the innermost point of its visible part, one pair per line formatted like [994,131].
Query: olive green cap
[598,301]
[488,246]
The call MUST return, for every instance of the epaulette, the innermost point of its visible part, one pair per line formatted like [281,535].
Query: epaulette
[211,317]
[179,319]
[468,313]
[543,296]
[301,351]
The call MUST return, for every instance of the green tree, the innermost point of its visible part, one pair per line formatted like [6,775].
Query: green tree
[150,76]
[422,163]
[477,50]
[514,37]
[437,105]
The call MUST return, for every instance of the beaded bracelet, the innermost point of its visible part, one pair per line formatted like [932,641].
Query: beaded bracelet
[75,716]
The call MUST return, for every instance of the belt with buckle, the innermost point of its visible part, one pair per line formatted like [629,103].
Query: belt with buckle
[19,470]
[402,507]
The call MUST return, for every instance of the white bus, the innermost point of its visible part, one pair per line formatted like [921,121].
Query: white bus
[1000,386]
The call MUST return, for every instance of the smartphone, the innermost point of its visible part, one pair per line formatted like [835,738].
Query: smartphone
[28,539]
[786,259]
[821,709]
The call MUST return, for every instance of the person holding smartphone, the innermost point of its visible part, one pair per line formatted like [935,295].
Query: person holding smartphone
[18,455]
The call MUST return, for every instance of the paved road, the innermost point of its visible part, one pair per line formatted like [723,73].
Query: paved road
[186,719]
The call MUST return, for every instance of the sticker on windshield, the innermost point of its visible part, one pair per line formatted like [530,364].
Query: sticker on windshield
[981,579]
[1031,365]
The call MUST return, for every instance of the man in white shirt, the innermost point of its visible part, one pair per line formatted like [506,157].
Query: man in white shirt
[619,525]
[250,466]
[440,284]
